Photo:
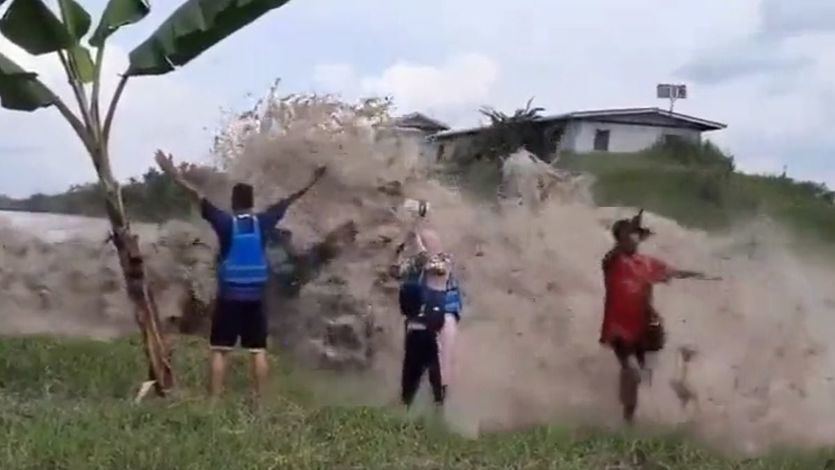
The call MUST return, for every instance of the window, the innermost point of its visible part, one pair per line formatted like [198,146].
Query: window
[601,140]
[672,139]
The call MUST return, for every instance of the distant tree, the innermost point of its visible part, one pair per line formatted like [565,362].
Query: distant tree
[7,202]
[509,133]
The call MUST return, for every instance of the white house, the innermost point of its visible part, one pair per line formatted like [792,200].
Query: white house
[611,130]
[627,130]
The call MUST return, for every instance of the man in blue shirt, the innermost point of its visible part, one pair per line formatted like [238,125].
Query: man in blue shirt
[242,272]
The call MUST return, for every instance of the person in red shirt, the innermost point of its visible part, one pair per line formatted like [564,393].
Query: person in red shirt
[631,326]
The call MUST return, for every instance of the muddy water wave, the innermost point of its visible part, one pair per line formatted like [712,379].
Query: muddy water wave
[749,363]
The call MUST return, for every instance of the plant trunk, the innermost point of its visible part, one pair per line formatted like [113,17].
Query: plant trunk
[95,139]
[133,268]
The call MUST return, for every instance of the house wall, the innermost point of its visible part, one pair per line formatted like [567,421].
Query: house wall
[579,136]
[408,140]
[464,146]
[455,148]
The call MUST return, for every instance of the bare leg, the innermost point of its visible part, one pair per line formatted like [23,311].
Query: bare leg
[446,346]
[260,369]
[629,380]
[645,373]
[217,366]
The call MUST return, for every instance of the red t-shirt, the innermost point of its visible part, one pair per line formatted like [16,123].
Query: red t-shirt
[629,280]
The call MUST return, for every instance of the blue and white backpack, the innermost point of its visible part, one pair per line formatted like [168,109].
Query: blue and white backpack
[244,272]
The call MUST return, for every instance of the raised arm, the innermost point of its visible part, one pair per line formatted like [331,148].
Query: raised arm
[416,256]
[166,164]
[317,175]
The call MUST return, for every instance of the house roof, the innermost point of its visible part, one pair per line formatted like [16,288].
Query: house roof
[420,121]
[636,116]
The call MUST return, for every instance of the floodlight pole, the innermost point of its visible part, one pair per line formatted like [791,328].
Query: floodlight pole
[671,92]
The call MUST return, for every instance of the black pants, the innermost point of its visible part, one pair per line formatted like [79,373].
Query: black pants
[421,354]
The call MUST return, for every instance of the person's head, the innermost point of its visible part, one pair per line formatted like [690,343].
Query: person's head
[625,237]
[243,198]
[628,234]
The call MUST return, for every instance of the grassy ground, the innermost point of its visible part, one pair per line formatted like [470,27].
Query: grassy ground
[696,186]
[66,404]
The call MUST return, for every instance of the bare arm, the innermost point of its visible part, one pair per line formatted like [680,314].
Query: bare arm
[683,274]
[398,268]
[166,164]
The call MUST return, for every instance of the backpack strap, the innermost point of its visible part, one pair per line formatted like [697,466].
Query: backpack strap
[453,296]
[256,225]
[256,228]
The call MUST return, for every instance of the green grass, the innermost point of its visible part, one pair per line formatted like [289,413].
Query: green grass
[66,404]
[696,186]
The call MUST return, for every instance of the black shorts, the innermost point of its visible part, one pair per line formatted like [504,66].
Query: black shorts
[234,319]
[624,350]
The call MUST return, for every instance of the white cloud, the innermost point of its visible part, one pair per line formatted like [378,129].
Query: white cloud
[463,81]
[335,76]
[744,59]
[773,85]
[784,18]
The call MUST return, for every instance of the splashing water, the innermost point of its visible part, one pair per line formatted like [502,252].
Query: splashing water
[760,369]
[748,356]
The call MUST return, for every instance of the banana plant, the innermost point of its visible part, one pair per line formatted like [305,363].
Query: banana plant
[62,29]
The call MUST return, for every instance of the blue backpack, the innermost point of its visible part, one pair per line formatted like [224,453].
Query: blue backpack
[453,300]
[244,271]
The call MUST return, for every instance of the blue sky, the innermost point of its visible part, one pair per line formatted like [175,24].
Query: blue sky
[762,66]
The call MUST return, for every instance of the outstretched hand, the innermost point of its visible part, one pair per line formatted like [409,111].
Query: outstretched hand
[696,276]
[165,162]
[319,172]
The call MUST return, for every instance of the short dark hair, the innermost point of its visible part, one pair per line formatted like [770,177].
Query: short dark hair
[628,227]
[243,197]
[620,226]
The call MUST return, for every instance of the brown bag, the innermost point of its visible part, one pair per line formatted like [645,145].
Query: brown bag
[655,337]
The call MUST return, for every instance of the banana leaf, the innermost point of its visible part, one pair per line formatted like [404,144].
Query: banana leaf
[31,25]
[83,63]
[192,29]
[77,23]
[21,90]
[76,19]
[116,14]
